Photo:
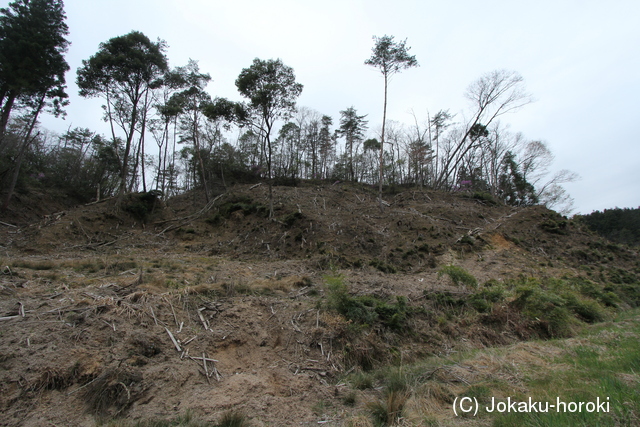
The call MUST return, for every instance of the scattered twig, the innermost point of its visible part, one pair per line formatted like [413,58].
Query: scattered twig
[113,326]
[81,387]
[175,318]
[190,339]
[8,225]
[206,371]
[173,340]
[295,326]
[21,309]
[8,317]
[208,359]
[254,186]
[154,315]
[205,324]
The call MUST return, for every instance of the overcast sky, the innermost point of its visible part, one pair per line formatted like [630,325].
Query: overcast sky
[579,59]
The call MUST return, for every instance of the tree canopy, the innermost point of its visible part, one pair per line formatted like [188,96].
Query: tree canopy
[32,46]
[123,70]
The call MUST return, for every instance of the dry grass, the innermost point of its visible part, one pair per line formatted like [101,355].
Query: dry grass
[111,393]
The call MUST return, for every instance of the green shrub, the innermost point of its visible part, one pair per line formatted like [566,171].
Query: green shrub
[483,196]
[445,300]
[555,227]
[365,310]
[244,204]
[459,276]
[556,306]
[141,205]
[385,268]
[484,299]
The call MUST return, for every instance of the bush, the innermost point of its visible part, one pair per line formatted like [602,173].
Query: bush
[557,312]
[365,310]
[483,300]
[244,204]
[141,205]
[459,276]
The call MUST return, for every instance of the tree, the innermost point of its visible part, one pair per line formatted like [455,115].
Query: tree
[123,71]
[32,47]
[390,58]
[494,94]
[272,90]
[190,103]
[515,189]
[327,144]
[352,128]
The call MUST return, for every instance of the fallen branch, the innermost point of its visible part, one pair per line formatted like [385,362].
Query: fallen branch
[175,343]
[203,358]
[205,324]
[206,371]
[186,219]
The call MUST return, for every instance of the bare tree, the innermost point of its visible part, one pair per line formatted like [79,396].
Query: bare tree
[494,94]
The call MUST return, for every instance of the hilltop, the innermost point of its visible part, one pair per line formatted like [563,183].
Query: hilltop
[155,309]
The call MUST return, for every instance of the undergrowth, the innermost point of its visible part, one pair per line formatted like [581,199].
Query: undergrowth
[366,310]
[603,364]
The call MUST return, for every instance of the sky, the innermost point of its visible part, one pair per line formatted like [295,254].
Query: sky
[579,59]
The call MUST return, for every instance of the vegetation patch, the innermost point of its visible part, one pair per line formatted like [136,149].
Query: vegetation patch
[459,276]
[366,310]
[242,204]
[382,266]
[141,205]
[111,393]
[555,307]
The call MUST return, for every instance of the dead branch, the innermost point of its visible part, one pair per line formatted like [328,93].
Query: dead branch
[205,324]
[187,219]
[175,343]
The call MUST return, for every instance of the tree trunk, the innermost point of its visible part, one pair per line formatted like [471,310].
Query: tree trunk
[6,112]
[384,122]
[23,149]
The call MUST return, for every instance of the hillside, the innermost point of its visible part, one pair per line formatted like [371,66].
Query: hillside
[157,310]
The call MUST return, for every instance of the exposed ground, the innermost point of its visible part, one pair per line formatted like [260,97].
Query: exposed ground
[93,297]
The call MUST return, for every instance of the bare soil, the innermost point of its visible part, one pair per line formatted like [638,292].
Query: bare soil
[133,313]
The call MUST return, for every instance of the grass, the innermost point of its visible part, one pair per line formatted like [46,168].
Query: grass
[228,419]
[602,362]
[459,276]
[34,264]
[606,364]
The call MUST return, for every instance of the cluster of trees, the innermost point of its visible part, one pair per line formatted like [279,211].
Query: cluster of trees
[617,225]
[200,141]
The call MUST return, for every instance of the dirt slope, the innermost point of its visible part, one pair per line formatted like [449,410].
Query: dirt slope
[94,297]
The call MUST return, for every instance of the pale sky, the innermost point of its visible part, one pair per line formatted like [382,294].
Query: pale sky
[580,60]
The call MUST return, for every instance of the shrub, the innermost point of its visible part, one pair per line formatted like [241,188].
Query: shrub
[244,204]
[555,227]
[459,276]
[483,300]
[385,268]
[365,310]
[141,205]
